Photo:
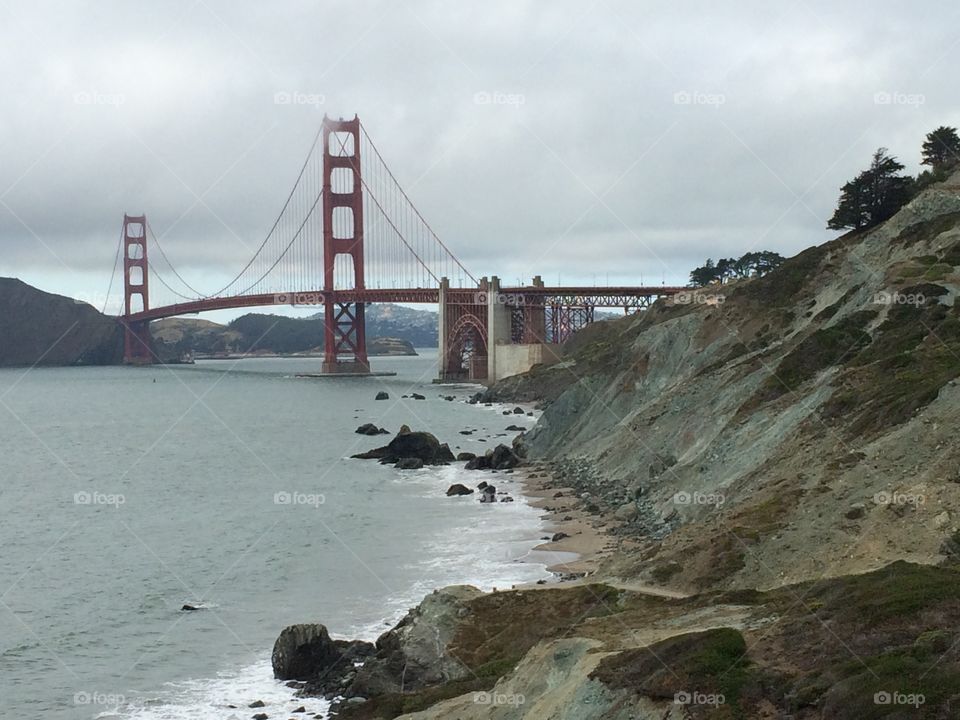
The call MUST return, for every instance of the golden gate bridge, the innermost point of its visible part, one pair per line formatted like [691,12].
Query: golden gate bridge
[346,236]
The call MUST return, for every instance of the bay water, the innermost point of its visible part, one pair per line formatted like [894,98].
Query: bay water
[126,493]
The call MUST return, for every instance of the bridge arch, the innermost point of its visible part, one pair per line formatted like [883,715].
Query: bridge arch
[467,348]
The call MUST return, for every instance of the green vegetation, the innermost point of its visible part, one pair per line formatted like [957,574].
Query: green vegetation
[779,289]
[752,264]
[824,348]
[914,353]
[881,190]
[874,195]
[710,663]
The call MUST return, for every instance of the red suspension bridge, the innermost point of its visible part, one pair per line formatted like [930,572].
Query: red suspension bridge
[348,235]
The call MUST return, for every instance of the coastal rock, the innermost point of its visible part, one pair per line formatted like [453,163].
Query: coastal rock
[418,396]
[489,494]
[478,462]
[503,457]
[519,411]
[303,651]
[382,395]
[458,489]
[464,456]
[499,458]
[411,445]
[370,429]
[409,464]
[414,654]
[514,428]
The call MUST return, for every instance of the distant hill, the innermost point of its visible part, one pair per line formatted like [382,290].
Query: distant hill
[391,330]
[44,329]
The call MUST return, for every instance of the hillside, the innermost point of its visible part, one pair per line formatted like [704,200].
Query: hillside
[801,427]
[391,330]
[777,477]
[44,329]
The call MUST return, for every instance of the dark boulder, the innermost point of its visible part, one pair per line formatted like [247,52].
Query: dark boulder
[445,454]
[411,445]
[482,485]
[519,411]
[506,498]
[480,462]
[514,428]
[370,429]
[502,457]
[418,396]
[458,489]
[409,463]
[382,395]
[464,456]
[302,652]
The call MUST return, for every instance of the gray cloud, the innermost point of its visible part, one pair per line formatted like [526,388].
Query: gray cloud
[630,139]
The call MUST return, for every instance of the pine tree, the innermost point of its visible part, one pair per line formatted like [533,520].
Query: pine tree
[874,195]
[941,149]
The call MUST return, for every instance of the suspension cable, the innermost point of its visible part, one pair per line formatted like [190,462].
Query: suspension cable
[156,242]
[113,275]
[275,223]
[289,245]
[410,202]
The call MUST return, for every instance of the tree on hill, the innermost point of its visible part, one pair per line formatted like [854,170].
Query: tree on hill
[874,195]
[704,275]
[751,264]
[941,149]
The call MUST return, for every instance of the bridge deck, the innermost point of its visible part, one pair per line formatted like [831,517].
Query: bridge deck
[594,296]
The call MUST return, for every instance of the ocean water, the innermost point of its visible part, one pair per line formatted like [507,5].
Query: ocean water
[127,492]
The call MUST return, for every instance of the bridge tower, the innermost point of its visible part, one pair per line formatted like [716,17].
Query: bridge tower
[345,342]
[137,343]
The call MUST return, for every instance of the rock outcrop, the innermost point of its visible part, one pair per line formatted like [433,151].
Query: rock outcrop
[408,445]
[737,434]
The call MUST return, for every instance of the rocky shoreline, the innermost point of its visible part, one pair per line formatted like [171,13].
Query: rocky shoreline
[365,679]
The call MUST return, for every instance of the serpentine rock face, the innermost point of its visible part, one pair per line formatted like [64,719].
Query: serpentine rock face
[738,427]
[414,654]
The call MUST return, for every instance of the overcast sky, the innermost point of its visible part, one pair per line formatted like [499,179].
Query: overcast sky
[611,141]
